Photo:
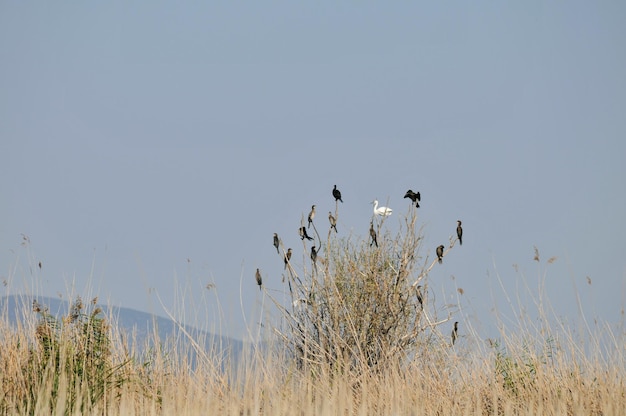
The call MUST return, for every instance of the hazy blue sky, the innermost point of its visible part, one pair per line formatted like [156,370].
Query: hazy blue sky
[155,147]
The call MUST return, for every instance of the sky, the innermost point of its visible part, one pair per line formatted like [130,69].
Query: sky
[150,149]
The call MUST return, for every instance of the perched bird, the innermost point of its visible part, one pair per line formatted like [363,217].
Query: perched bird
[381,210]
[276,242]
[287,257]
[459,232]
[420,297]
[337,194]
[413,196]
[333,221]
[303,234]
[313,254]
[455,332]
[259,279]
[373,234]
[311,215]
[440,253]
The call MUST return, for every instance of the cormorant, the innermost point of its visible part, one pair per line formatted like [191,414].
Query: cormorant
[419,295]
[413,196]
[287,257]
[276,242]
[333,221]
[313,254]
[455,332]
[311,215]
[303,234]
[459,232]
[381,210]
[373,234]
[259,279]
[440,253]
[337,194]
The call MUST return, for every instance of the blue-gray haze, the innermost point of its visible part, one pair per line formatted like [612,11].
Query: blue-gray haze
[149,150]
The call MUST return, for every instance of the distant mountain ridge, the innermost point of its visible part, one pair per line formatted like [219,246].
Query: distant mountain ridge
[17,308]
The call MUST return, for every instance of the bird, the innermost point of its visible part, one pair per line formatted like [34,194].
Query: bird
[276,242]
[420,297]
[303,234]
[311,215]
[413,196]
[373,234]
[259,279]
[455,332]
[287,257]
[313,254]
[381,210]
[337,194]
[459,232]
[333,221]
[440,253]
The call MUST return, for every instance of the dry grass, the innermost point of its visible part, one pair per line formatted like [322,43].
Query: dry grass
[518,382]
[519,375]
[318,364]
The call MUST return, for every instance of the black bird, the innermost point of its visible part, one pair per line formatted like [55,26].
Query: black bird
[420,297]
[311,215]
[313,254]
[337,194]
[459,232]
[413,196]
[303,234]
[259,279]
[455,332]
[440,253]
[276,242]
[333,221]
[373,235]
[287,257]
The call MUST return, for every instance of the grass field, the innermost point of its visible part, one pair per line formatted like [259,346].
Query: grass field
[353,339]
[519,376]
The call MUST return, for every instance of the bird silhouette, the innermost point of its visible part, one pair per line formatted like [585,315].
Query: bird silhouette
[440,254]
[420,296]
[276,242]
[311,215]
[459,232]
[337,194]
[313,254]
[303,234]
[259,279]
[373,234]
[333,221]
[381,210]
[413,196]
[287,257]
[455,332]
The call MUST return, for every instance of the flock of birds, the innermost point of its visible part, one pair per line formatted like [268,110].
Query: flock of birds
[415,198]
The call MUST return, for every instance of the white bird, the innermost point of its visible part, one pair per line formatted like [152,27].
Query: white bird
[381,210]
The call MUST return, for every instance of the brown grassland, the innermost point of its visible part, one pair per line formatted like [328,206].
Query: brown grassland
[355,331]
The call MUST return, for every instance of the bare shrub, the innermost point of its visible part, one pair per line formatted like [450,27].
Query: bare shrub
[360,307]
